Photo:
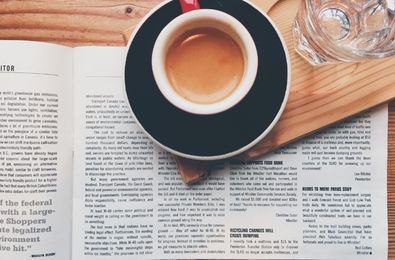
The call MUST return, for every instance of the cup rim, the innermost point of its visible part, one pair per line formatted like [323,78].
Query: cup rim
[194,17]
[235,152]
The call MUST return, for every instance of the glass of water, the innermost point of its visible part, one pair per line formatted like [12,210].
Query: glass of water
[331,31]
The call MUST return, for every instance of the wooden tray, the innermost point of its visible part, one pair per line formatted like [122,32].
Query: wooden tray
[320,96]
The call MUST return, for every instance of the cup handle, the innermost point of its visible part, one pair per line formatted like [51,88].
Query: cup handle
[189,5]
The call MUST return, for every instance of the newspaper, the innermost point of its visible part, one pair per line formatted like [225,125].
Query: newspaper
[80,180]
[323,197]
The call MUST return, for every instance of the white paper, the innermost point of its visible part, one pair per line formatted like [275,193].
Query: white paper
[36,133]
[300,202]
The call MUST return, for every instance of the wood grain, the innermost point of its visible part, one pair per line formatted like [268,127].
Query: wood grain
[72,23]
[93,22]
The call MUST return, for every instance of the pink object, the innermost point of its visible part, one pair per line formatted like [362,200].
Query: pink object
[189,5]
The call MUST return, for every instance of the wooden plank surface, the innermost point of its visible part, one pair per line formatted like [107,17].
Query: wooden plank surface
[93,22]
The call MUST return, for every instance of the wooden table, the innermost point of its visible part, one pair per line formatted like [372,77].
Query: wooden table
[93,22]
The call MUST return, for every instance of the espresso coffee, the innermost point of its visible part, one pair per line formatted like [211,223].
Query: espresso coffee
[204,65]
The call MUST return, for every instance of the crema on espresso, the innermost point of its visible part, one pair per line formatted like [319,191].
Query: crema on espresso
[204,65]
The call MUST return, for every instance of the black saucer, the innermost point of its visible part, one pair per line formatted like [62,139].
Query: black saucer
[212,136]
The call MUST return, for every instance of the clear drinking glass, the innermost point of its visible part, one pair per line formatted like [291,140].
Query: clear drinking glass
[330,31]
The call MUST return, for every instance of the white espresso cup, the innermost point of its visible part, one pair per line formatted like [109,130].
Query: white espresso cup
[205,18]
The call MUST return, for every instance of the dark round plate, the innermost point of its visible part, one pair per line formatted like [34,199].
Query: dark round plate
[208,136]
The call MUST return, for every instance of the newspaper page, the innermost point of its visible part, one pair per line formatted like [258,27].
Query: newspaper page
[36,148]
[321,198]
